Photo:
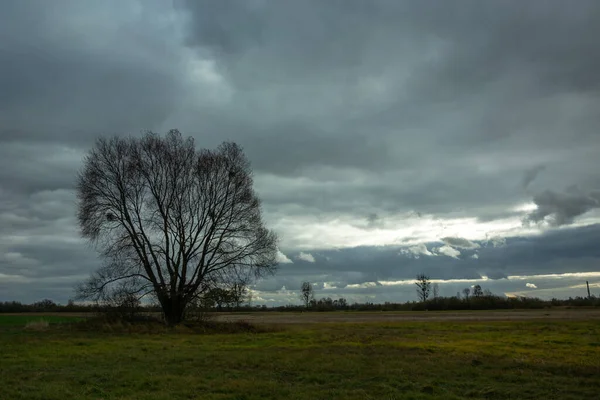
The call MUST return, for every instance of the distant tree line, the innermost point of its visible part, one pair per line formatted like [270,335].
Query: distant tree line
[125,304]
[492,302]
[239,298]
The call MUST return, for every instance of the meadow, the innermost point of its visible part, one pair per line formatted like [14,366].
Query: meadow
[21,320]
[552,358]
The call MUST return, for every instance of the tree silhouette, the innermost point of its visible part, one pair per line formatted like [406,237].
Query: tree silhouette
[423,287]
[307,293]
[466,292]
[170,220]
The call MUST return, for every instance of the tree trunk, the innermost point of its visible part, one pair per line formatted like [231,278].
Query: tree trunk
[173,309]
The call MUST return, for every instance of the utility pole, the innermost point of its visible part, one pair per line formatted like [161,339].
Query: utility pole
[588,288]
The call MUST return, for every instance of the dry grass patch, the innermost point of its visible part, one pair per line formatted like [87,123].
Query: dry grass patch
[39,325]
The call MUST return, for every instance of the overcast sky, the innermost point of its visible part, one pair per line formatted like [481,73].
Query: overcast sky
[454,138]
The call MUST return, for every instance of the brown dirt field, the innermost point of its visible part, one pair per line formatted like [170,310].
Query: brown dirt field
[272,317]
[401,316]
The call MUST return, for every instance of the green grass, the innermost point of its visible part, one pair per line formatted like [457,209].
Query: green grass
[411,360]
[22,320]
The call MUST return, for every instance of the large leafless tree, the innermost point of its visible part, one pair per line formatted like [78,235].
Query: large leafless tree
[171,221]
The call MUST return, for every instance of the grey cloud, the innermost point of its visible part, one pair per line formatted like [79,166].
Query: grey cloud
[530,175]
[295,64]
[460,243]
[447,251]
[47,259]
[416,251]
[307,257]
[562,208]
[63,85]
[564,250]
[371,222]
[38,167]
[374,221]
[496,275]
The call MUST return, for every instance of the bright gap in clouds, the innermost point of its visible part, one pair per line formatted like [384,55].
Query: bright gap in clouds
[574,275]
[306,232]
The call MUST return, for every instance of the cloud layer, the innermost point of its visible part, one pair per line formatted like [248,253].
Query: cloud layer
[386,133]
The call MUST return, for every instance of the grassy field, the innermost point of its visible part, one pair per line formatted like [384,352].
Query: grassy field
[376,360]
[22,320]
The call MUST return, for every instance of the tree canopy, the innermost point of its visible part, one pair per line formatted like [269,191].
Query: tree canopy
[171,221]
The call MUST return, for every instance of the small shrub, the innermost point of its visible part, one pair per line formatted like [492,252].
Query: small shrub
[216,327]
[111,323]
[38,325]
[197,313]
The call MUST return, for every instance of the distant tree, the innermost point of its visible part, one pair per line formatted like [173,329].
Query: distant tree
[477,292]
[219,297]
[423,287]
[70,304]
[458,295]
[488,293]
[206,301]
[324,304]
[45,305]
[170,220]
[127,304]
[238,293]
[466,293]
[307,294]
[436,291]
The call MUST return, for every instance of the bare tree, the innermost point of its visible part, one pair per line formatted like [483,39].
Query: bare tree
[171,220]
[123,304]
[477,292]
[436,291]
[239,293]
[423,287]
[467,293]
[307,293]
[218,297]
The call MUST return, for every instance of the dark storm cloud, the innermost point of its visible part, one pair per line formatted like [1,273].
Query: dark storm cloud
[460,92]
[349,110]
[565,250]
[562,208]
[30,168]
[71,70]
[530,175]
